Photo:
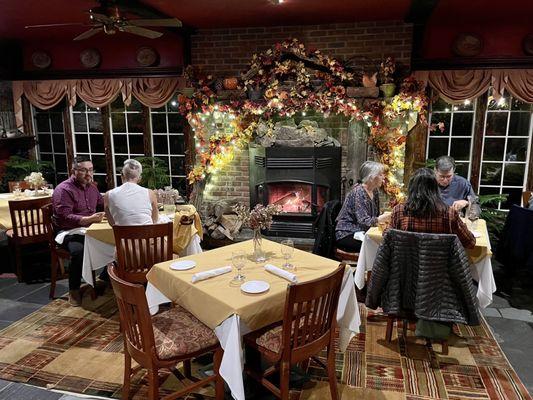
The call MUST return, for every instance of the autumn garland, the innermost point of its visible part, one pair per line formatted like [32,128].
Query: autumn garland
[221,128]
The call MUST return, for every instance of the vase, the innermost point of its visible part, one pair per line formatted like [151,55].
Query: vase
[259,254]
[388,89]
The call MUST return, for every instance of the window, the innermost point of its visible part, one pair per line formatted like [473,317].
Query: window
[505,155]
[168,141]
[456,140]
[48,127]
[89,139]
[127,127]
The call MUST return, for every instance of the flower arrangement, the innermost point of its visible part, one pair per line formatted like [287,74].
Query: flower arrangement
[387,68]
[36,180]
[260,217]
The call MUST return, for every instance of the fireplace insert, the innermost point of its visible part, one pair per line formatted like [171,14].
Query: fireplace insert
[298,179]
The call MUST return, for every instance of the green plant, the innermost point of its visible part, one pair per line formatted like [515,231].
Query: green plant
[494,218]
[155,172]
[17,168]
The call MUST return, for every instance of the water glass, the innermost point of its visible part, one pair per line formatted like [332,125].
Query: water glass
[287,249]
[16,190]
[169,210]
[238,259]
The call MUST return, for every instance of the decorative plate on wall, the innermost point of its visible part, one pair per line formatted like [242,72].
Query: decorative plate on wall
[147,56]
[90,58]
[41,59]
[467,45]
[527,44]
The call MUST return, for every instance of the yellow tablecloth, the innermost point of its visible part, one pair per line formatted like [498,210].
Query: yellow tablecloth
[213,300]
[5,217]
[481,250]
[184,233]
[102,231]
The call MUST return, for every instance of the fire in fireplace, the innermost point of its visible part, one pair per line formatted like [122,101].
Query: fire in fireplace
[299,179]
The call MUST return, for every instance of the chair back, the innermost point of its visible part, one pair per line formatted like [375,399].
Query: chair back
[27,220]
[48,211]
[139,247]
[135,318]
[525,198]
[310,311]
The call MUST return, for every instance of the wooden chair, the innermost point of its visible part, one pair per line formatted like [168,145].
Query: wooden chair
[28,227]
[139,247]
[307,327]
[161,341]
[525,198]
[58,254]
[345,256]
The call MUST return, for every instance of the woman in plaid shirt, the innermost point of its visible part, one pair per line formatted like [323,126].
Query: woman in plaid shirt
[424,210]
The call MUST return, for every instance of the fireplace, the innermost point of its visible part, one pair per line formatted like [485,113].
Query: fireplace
[298,179]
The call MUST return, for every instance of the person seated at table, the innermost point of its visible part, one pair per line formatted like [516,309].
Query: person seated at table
[360,210]
[425,211]
[454,189]
[77,203]
[130,203]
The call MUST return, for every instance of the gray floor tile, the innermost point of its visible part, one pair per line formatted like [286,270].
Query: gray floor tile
[491,312]
[4,282]
[41,296]
[5,324]
[26,392]
[3,385]
[499,302]
[14,310]
[18,290]
[513,313]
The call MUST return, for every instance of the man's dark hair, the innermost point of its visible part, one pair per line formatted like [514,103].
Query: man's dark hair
[423,199]
[79,159]
[445,164]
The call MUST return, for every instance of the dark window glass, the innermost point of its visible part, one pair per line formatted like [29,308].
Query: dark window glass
[97,143]
[440,105]
[120,143]
[117,105]
[490,190]
[159,123]
[461,168]
[95,122]
[177,165]
[59,143]
[519,124]
[462,124]
[45,142]
[175,123]
[460,149]
[520,105]
[119,163]
[118,123]
[100,182]
[47,157]
[79,106]
[160,144]
[80,123]
[60,161]
[496,123]
[516,150]
[135,105]
[56,121]
[180,184]
[514,197]
[514,174]
[82,142]
[441,117]
[42,122]
[437,147]
[500,104]
[493,150]
[491,173]
[177,144]
[136,144]
[135,123]
[99,164]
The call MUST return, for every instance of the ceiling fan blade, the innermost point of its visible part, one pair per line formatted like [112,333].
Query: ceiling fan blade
[47,25]
[136,30]
[89,33]
[170,22]
[100,18]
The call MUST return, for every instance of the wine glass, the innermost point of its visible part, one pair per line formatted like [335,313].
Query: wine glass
[238,259]
[16,190]
[287,249]
[472,213]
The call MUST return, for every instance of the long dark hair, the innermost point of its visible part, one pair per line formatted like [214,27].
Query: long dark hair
[423,199]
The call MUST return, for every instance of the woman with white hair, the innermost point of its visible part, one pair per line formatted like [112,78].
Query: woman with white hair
[360,210]
[131,204]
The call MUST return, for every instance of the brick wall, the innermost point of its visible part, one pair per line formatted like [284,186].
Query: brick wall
[226,52]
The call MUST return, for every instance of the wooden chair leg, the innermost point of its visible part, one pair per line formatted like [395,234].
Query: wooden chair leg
[127,375]
[284,375]
[153,384]
[332,375]
[18,263]
[390,325]
[187,370]
[53,275]
[444,345]
[219,383]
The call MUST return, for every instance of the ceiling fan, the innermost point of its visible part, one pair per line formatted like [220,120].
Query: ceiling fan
[102,20]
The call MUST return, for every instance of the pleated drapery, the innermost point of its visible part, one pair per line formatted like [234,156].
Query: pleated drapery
[455,86]
[152,92]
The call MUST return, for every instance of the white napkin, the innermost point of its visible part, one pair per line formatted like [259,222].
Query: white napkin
[163,219]
[359,236]
[476,234]
[282,273]
[75,231]
[200,276]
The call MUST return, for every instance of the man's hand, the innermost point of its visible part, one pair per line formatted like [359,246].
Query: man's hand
[385,217]
[91,219]
[458,205]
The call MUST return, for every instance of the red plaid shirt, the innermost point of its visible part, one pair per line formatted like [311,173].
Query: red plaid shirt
[445,222]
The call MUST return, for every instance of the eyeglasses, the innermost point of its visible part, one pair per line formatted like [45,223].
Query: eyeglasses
[85,170]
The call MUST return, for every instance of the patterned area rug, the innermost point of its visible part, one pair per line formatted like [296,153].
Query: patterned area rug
[80,350]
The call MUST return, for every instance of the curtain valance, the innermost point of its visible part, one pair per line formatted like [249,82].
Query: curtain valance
[152,92]
[456,86]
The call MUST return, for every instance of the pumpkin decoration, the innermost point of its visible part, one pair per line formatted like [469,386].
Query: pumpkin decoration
[231,83]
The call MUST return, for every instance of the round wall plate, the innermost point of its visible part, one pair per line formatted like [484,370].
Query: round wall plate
[90,58]
[41,59]
[467,45]
[147,56]
[527,44]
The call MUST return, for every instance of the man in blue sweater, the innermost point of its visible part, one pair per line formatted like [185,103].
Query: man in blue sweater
[454,189]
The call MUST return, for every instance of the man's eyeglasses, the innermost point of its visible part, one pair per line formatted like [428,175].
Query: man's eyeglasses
[85,170]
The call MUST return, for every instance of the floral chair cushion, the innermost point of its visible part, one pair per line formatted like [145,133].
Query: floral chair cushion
[178,332]
[271,339]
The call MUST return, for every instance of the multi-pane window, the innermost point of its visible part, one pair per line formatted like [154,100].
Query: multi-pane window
[456,139]
[168,141]
[505,154]
[89,139]
[50,132]
[127,126]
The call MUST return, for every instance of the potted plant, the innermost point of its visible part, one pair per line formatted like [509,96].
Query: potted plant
[17,168]
[387,68]
[155,172]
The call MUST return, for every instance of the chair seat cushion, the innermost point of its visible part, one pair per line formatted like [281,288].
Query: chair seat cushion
[177,332]
[271,339]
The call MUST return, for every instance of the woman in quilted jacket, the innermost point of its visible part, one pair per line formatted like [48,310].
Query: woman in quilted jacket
[424,210]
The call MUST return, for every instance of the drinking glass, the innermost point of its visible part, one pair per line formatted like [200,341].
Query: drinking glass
[169,210]
[238,259]
[16,190]
[287,249]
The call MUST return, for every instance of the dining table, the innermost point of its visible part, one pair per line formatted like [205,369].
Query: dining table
[480,260]
[222,304]
[5,198]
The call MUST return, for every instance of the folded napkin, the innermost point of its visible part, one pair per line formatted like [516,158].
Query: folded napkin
[476,234]
[282,273]
[359,235]
[200,276]
[76,231]
[163,219]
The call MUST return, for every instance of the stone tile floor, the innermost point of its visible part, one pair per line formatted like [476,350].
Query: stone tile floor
[509,316]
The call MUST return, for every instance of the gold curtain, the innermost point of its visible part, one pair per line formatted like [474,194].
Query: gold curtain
[154,92]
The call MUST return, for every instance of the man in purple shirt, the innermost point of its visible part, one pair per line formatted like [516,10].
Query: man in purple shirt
[75,203]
